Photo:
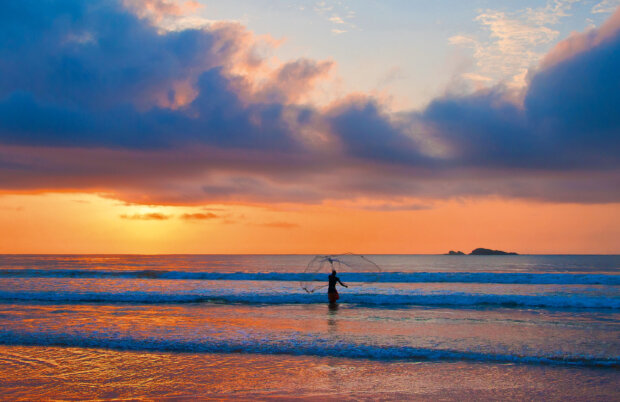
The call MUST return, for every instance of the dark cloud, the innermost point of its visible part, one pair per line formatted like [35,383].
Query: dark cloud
[366,132]
[94,97]
[575,104]
[93,74]
[568,119]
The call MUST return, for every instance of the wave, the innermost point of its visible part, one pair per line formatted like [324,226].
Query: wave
[304,345]
[397,300]
[384,277]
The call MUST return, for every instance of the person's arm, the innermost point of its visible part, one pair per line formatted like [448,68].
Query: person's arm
[340,282]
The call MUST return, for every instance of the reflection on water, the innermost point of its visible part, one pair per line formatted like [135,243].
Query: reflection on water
[37,373]
[297,263]
[148,337]
[332,311]
[316,329]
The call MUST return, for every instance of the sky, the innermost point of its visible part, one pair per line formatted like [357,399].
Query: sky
[162,126]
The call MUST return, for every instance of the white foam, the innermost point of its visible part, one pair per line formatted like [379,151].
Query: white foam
[266,297]
[384,277]
[298,345]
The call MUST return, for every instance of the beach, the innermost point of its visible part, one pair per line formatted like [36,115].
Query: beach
[80,373]
[313,200]
[510,327]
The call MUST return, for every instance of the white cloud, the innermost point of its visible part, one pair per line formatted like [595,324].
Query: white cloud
[606,6]
[337,13]
[512,42]
[462,40]
[477,77]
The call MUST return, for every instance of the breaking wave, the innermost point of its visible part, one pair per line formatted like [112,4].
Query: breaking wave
[400,299]
[385,277]
[297,345]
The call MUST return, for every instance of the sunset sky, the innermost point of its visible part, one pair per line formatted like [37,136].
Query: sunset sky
[273,126]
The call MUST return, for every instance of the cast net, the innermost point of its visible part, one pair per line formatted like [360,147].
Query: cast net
[352,269]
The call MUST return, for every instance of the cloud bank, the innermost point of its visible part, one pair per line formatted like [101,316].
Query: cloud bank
[95,96]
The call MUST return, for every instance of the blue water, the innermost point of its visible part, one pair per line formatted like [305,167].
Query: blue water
[541,310]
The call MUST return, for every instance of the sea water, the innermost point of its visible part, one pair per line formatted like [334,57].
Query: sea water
[213,326]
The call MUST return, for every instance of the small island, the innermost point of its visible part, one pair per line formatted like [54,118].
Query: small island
[482,251]
[486,251]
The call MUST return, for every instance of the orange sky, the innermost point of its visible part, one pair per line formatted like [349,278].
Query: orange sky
[87,223]
[527,165]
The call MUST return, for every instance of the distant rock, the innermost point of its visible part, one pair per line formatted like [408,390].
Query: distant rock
[452,252]
[486,251]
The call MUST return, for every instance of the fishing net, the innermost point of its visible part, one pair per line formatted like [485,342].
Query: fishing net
[351,269]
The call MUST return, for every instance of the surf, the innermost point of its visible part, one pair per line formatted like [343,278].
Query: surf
[298,344]
[384,277]
[278,297]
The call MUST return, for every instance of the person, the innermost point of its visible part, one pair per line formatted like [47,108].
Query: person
[332,293]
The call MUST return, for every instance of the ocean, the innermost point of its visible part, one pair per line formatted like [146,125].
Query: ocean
[240,326]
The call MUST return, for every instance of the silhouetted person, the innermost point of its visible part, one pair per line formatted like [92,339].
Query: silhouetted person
[332,293]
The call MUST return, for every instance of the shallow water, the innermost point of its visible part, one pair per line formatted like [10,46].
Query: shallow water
[35,373]
[431,326]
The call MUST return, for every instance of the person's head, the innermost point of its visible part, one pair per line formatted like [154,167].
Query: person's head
[333,272]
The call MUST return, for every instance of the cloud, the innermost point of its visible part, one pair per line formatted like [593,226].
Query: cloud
[338,14]
[605,6]
[70,55]
[178,118]
[293,80]
[514,42]
[580,42]
[160,9]
[397,207]
[567,123]
[199,216]
[152,216]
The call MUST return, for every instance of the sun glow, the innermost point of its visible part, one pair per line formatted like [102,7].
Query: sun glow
[90,223]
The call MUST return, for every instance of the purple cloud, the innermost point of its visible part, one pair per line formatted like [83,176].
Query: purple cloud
[95,98]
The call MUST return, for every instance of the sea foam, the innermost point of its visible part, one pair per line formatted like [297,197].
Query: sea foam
[384,277]
[297,344]
[405,298]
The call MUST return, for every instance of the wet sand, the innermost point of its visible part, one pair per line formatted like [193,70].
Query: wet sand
[37,373]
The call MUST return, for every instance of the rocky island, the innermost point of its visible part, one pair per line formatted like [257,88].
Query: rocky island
[482,251]
[486,251]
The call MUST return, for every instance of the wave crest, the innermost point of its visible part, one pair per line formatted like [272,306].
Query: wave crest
[384,277]
[408,299]
[304,345]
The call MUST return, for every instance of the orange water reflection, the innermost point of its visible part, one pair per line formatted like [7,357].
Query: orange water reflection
[38,373]
[492,331]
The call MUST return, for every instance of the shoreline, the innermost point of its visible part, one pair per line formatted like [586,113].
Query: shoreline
[77,373]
